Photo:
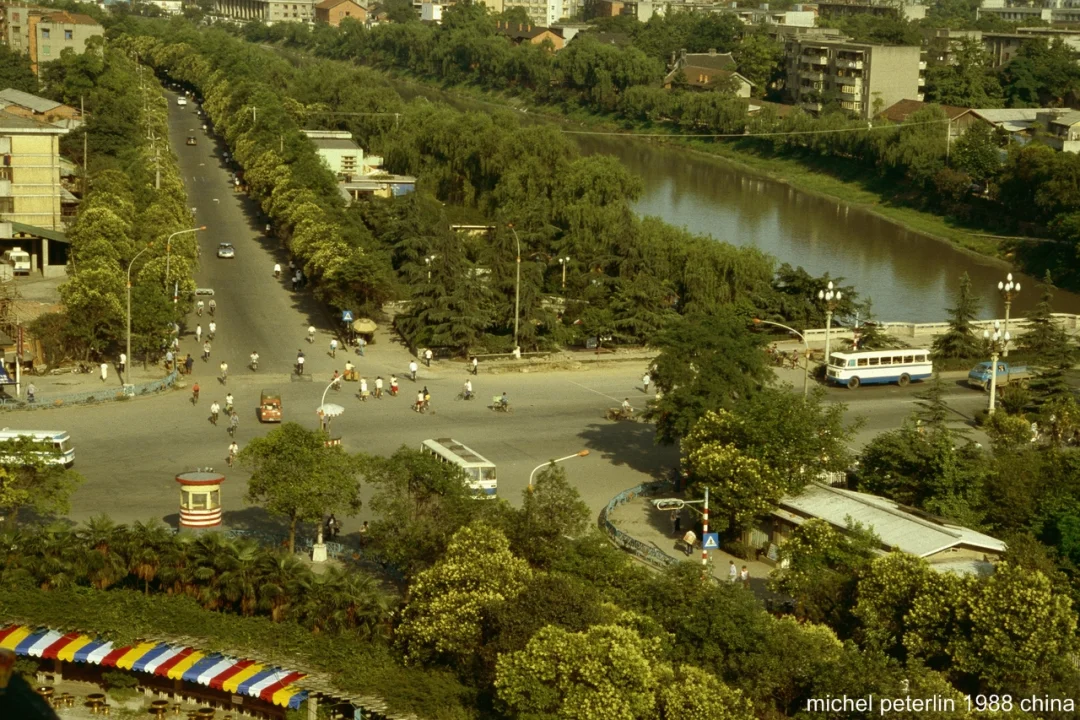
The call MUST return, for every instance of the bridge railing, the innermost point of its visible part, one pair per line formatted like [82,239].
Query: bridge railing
[1017,326]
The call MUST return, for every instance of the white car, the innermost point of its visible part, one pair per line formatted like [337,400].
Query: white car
[226,250]
[181,101]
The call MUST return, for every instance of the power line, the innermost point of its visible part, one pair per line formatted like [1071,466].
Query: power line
[675,136]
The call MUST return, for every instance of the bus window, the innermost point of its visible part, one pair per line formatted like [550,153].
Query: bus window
[886,361]
[851,363]
[862,362]
[874,361]
[487,473]
[908,359]
[473,473]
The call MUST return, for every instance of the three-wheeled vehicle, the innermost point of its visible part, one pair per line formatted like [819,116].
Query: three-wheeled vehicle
[270,406]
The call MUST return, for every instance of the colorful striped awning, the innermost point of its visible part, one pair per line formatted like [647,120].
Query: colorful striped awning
[242,677]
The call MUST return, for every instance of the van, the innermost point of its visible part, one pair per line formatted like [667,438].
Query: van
[19,260]
[181,101]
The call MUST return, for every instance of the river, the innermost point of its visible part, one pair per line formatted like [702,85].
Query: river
[909,276]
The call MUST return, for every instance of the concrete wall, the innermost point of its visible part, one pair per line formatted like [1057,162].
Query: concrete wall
[54,38]
[892,76]
[31,182]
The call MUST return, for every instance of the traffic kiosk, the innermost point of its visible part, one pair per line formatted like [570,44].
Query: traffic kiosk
[200,499]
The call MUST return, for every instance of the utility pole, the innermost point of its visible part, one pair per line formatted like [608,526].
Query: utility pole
[157,169]
[85,152]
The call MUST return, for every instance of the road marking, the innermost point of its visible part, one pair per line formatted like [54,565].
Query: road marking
[593,391]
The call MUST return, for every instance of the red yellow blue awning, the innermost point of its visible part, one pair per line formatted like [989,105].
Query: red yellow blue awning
[221,672]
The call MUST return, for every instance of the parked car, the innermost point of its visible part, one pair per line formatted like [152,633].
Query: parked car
[979,377]
[181,101]
[270,406]
[191,140]
[226,250]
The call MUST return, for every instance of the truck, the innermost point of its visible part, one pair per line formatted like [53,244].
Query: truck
[979,377]
[19,260]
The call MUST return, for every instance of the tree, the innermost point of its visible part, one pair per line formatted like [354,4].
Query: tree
[296,475]
[33,478]
[760,60]
[15,71]
[869,334]
[976,153]
[967,80]
[551,512]
[886,592]
[959,340]
[442,619]
[1044,333]
[707,362]
[698,695]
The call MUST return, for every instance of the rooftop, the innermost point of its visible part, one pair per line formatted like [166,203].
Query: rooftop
[711,60]
[692,71]
[66,18]
[897,528]
[899,112]
[20,125]
[521,31]
[331,4]
[335,144]
[11,96]
[1068,119]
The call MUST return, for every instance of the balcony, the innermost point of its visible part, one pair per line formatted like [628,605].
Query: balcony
[810,106]
[922,64]
[812,75]
[849,64]
[850,90]
[5,188]
[922,81]
[847,81]
[920,97]
[852,105]
[815,59]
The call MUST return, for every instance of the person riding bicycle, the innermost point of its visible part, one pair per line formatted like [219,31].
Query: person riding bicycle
[277,269]
[224,367]
[199,308]
[212,330]
[504,402]
[467,393]
[254,360]
[627,408]
[213,306]
[350,370]
[233,450]
[234,422]
[228,402]
[311,334]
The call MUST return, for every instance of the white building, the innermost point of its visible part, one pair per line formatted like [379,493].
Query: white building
[431,12]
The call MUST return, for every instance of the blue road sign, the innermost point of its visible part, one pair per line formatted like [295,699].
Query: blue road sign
[711,541]
[346,316]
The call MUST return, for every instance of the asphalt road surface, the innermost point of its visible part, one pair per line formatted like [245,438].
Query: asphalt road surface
[130,452]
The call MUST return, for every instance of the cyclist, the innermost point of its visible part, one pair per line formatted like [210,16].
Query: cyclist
[199,308]
[277,270]
[213,307]
[254,360]
[468,393]
[311,334]
[228,402]
[233,450]
[213,329]
[234,422]
[224,367]
[504,401]
[215,410]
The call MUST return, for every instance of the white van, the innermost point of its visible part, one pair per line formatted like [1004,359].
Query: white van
[181,101]
[19,260]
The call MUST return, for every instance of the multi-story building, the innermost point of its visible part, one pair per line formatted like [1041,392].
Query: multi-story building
[902,10]
[332,12]
[1001,47]
[799,16]
[541,12]
[1054,12]
[269,11]
[43,33]
[864,79]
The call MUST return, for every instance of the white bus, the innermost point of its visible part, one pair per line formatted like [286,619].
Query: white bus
[479,470]
[871,367]
[63,451]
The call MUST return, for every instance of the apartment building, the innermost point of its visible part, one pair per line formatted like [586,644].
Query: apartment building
[43,33]
[863,78]
[902,10]
[1053,12]
[541,12]
[269,11]
[332,12]
[1001,47]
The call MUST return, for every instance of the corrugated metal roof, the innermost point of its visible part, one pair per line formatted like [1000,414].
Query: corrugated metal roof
[26,100]
[1067,119]
[335,144]
[1000,115]
[897,528]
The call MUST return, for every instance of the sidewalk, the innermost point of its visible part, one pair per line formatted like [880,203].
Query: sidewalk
[55,386]
[639,519]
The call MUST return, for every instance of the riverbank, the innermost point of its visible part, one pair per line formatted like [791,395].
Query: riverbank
[852,190]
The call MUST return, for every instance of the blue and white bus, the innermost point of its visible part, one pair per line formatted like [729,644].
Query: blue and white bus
[56,445]
[876,367]
[479,471]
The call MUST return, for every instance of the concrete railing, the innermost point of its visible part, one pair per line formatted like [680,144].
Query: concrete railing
[647,553]
[1017,326]
[93,396]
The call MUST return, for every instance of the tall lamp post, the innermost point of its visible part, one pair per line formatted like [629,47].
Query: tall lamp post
[679,504]
[999,342]
[168,249]
[1008,290]
[580,453]
[427,261]
[806,351]
[517,287]
[564,261]
[127,366]
[832,298]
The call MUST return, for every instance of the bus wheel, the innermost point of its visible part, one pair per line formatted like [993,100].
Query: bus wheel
[853,383]
[904,380]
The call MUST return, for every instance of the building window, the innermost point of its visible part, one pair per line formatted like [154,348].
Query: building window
[5,173]
[45,33]
[15,17]
[69,35]
[46,50]
[7,205]
[348,163]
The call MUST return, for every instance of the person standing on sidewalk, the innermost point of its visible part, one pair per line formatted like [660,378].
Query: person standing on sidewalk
[732,571]
[475,364]
[104,371]
[189,362]
[123,363]
[427,357]
[688,540]
[413,367]
[360,344]
[745,577]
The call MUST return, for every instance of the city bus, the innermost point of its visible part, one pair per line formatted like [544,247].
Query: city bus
[875,367]
[62,452]
[479,471]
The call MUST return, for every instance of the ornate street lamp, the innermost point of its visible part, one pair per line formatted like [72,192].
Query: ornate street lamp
[1008,290]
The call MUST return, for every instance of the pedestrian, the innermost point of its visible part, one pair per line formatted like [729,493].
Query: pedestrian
[234,422]
[333,347]
[233,450]
[413,367]
[393,385]
[104,372]
[213,329]
[224,367]
[475,363]
[215,410]
[189,363]
[123,363]
[198,333]
[427,357]
[168,360]
[31,392]
[299,363]
[732,571]
[645,380]
[378,388]
[195,394]
[745,577]
[228,402]
[311,334]
[360,345]
[363,533]
[419,401]
[331,527]
[688,540]
[206,351]
[676,521]
[363,390]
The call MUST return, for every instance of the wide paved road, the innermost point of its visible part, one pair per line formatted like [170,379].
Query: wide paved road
[131,451]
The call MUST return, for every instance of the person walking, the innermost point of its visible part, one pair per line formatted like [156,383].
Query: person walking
[198,333]
[104,372]
[393,385]
[299,363]
[213,307]
[363,390]
[732,571]
[413,367]
[311,334]
[195,394]
[688,540]
[234,422]
[215,410]
[427,357]
[224,367]
[475,365]
[745,577]
[645,380]
[676,521]
[31,393]
[333,348]
[122,364]
[378,388]
[233,450]
[168,360]
[360,345]
[467,392]
[189,362]
[213,329]
[206,351]
[419,401]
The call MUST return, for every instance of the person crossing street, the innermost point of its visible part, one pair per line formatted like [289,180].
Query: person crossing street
[215,410]
[378,388]
[413,367]
[234,423]
[213,329]
[234,449]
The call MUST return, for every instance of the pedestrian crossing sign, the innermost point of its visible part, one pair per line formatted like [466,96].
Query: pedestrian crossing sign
[710,541]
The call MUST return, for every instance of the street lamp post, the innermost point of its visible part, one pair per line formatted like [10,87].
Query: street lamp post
[831,298]
[999,341]
[128,364]
[517,289]
[427,261]
[806,351]
[1008,290]
[679,504]
[168,249]
[580,453]
[564,261]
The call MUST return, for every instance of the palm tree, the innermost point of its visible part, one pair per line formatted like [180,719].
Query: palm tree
[344,600]
[284,581]
[147,545]
[99,542]
[176,572]
[53,558]
[208,552]
[240,577]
